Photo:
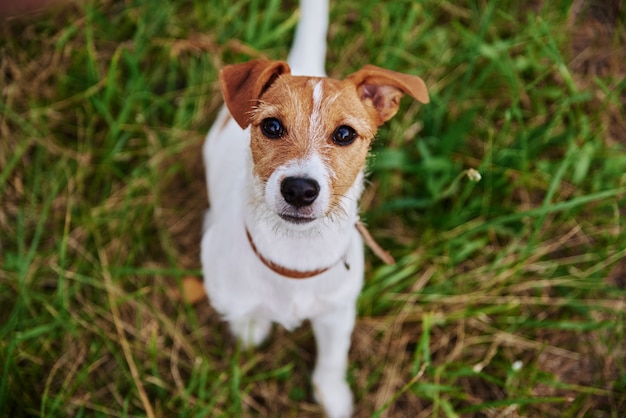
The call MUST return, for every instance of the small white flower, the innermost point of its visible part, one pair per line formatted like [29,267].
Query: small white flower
[473,175]
[517,365]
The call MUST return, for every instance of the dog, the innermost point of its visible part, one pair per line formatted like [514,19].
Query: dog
[285,164]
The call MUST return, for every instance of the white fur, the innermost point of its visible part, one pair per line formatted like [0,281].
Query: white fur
[315,119]
[308,52]
[246,292]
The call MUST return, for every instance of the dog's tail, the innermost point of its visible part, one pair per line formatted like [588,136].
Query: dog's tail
[308,52]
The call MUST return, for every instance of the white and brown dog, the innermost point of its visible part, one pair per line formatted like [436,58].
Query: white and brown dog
[285,163]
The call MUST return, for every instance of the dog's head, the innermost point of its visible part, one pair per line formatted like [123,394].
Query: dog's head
[309,136]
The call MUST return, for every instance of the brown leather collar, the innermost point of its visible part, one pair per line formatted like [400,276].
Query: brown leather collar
[297,274]
[284,271]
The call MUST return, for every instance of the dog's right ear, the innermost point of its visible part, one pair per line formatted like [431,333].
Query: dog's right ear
[243,84]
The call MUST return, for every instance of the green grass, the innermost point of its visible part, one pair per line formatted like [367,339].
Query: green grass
[508,297]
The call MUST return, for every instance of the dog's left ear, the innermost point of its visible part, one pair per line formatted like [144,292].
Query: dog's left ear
[244,84]
[382,89]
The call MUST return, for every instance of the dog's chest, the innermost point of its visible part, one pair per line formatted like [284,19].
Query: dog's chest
[290,308]
[242,286]
[253,290]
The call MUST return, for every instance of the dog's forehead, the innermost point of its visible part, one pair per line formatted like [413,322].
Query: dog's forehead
[299,91]
[305,84]
[334,101]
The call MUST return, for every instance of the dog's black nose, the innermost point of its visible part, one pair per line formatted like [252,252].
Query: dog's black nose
[298,191]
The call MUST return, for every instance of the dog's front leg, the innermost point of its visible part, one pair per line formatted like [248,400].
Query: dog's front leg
[332,334]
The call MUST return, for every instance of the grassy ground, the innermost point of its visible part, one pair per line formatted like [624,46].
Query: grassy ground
[509,295]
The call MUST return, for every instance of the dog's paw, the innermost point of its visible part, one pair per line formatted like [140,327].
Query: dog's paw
[250,331]
[334,394]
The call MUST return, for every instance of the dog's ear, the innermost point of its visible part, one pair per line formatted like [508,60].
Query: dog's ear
[382,89]
[243,84]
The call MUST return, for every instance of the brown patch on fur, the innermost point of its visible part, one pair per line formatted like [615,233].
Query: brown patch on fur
[243,84]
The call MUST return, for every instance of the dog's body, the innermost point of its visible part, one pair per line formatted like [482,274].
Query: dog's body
[285,165]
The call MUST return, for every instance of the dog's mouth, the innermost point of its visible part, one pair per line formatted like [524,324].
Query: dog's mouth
[295,219]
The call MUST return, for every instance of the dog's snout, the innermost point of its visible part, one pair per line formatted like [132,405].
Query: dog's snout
[299,191]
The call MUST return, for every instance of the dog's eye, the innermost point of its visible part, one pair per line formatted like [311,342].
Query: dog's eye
[272,128]
[344,135]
